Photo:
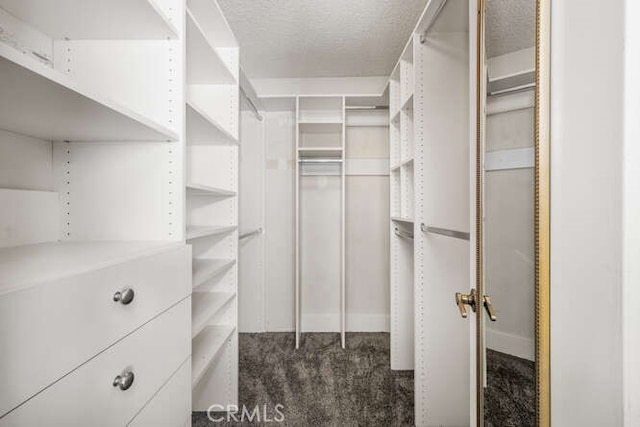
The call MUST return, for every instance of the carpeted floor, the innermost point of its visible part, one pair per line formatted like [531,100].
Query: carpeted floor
[510,396]
[322,385]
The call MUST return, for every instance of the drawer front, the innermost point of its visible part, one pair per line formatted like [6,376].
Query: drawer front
[47,331]
[172,405]
[87,396]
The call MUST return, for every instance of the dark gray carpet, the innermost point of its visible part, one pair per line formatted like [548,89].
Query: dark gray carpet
[321,384]
[510,395]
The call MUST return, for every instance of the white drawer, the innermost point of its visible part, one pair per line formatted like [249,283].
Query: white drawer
[172,405]
[47,331]
[87,397]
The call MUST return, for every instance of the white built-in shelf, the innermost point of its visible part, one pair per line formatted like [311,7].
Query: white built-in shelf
[408,103]
[206,268]
[205,305]
[401,219]
[205,348]
[212,23]
[330,152]
[320,126]
[395,116]
[35,264]
[205,64]
[395,167]
[93,19]
[205,190]
[204,129]
[407,162]
[198,231]
[39,101]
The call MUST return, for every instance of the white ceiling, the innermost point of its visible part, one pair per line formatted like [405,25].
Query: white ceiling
[510,26]
[321,38]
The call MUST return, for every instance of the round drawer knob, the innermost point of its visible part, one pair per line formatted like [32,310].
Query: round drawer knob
[124,381]
[124,297]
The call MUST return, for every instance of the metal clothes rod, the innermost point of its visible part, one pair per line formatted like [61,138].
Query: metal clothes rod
[366,107]
[320,160]
[423,36]
[251,104]
[445,232]
[403,234]
[251,233]
[512,90]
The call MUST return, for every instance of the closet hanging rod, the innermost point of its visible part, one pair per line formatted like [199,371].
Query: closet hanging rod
[432,20]
[366,107]
[320,160]
[511,90]
[251,233]
[251,104]
[444,232]
[403,234]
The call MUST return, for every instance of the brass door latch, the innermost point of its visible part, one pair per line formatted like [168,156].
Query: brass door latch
[470,299]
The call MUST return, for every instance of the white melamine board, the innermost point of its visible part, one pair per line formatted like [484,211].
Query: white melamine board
[515,101]
[207,64]
[198,190]
[27,265]
[446,144]
[93,19]
[323,152]
[44,103]
[205,269]
[205,305]
[133,191]
[320,126]
[28,217]
[217,247]
[143,75]
[511,70]
[203,129]
[198,231]
[311,138]
[510,130]
[280,133]
[367,167]
[319,249]
[26,38]
[279,103]
[220,371]
[214,211]
[213,165]
[206,347]
[213,23]
[401,300]
[218,103]
[25,162]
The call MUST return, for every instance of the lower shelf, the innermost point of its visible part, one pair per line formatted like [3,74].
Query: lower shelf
[197,231]
[207,268]
[205,305]
[205,348]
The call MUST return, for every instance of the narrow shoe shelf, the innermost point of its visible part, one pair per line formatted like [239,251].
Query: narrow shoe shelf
[205,190]
[205,269]
[198,231]
[206,347]
[205,305]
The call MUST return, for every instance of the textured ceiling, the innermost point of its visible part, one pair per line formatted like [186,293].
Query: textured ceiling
[510,26]
[321,38]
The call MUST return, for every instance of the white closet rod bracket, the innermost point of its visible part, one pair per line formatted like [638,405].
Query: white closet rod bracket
[251,233]
[403,234]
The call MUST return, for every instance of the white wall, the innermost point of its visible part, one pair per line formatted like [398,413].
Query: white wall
[586,212]
[251,292]
[631,194]
[320,86]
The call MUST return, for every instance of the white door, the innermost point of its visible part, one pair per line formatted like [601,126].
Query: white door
[445,117]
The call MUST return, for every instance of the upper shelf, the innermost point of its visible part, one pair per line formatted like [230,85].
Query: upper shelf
[93,19]
[39,101]
[205,63]
[205,190]
[198,231]
[212,22]
[320,152]
[204,129]
[320,126]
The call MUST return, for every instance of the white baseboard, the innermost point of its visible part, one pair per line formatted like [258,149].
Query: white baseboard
[512,344]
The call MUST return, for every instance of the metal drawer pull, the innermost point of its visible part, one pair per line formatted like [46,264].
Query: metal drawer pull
[124,381]
[124,297]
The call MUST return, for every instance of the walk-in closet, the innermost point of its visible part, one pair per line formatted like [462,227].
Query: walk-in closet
[318,213]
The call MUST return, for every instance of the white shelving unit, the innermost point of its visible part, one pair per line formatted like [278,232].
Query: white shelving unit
[320,199]
[401,174]
[212,114]
[92,189]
